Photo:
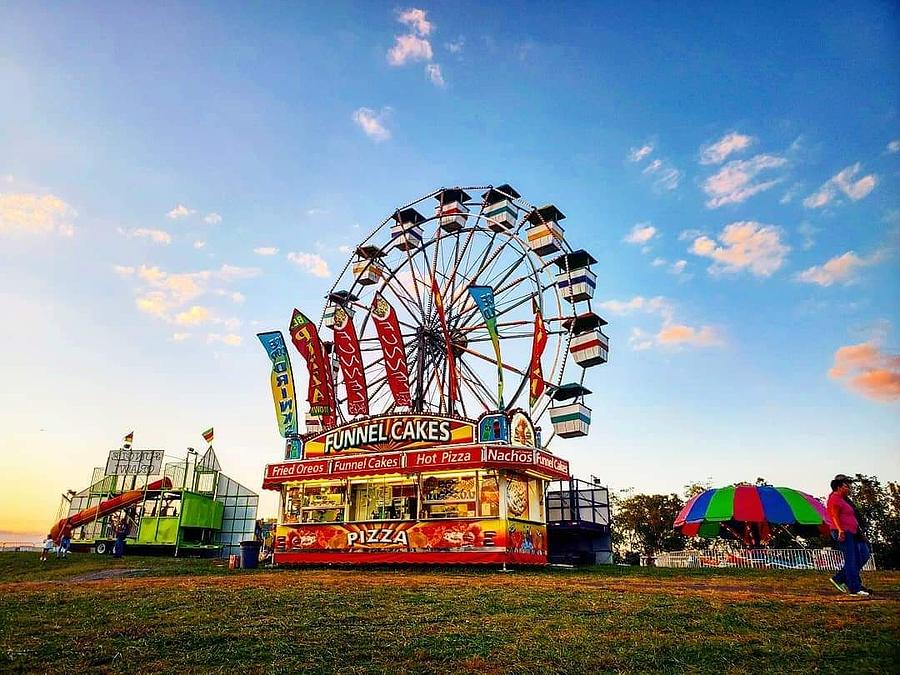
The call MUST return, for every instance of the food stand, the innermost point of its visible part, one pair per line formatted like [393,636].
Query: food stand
[415,488]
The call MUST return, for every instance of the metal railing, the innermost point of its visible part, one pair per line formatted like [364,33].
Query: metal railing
[19,546]
[760,558]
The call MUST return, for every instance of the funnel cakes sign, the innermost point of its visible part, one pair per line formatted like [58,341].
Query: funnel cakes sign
[390,432]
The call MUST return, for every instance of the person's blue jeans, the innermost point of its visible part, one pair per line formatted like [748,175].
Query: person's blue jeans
[856,553]
[119,547]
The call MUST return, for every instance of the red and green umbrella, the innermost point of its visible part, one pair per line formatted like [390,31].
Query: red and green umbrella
[741,505]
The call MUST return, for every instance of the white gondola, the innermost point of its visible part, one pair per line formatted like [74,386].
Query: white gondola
[338,299]
[589,345]
[575,279]
[367,267]
[569,416]
[545,235]
[451,209]
[407,229]
[500,209]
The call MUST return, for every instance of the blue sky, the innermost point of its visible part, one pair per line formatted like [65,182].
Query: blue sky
[734,171]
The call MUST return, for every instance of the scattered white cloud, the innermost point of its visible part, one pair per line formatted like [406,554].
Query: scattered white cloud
[640,234]
[25,213]
[416,19]
[637,154]
[230,339]
[433,71]
[865,369]
[665,177]
[409,48]
[266,250]
[199,244]
[180,211]
[684,235]
[192,316]
[316,211]
[893,146]
[671,333]
[311,263]
[174,297]
[716,153]
[735,182]
[156,236]
[842,269]
[743,245]
[846,182]
[236,297]
[457,46]
[678,266]
[791,194]
[212,218]
[346,250]
[372,123]
[180,337]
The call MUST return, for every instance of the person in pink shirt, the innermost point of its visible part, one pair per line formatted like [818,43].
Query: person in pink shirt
[845,530]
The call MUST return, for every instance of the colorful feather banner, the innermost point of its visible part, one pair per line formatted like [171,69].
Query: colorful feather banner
[320,393]
[393,349]
[282,383]
[535,371]
[346,344]
[484,298]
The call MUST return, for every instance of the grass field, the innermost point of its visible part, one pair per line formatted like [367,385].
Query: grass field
[163,615]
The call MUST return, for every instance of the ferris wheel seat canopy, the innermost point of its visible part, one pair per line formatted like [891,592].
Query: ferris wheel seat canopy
[584,322]
[409,217]
[369,252]
[548,213]
[450,195]
[342,298]
[566,392]
[575,260]
[500,193]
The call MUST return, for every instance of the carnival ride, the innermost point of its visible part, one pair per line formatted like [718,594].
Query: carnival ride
[452,326]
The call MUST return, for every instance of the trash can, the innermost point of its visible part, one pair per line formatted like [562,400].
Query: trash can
[250,554]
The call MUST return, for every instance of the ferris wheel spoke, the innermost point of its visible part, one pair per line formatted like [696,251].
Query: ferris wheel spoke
[476,380]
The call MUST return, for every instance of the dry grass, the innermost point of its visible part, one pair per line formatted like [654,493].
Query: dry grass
[196,617]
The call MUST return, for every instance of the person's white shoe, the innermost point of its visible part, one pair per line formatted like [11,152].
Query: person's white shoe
[863,594]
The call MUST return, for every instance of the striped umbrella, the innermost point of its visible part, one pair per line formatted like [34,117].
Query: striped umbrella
[739,505]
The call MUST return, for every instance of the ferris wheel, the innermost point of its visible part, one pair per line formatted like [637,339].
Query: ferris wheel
[466,301]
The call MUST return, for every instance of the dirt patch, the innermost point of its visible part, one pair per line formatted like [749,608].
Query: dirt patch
[103,575]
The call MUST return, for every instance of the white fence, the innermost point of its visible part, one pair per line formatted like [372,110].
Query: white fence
[761,558]
[18,546]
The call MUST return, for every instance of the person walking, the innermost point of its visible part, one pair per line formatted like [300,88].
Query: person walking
[65,541]
[845,531]
[47,549]
[121,533]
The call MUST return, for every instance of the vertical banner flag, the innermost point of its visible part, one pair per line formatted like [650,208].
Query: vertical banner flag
[484,298]
[320,393]
[208,436]
[346,344]
[535,372]
[393,349]
[451,361]
[282,383]
[126,442]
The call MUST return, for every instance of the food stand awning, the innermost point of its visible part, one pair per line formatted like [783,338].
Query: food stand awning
[516,458]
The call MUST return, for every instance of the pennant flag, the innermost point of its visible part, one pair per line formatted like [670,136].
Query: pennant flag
[393,349]
[126,442]
[320,392]
[451,361]
[484,298]
[535,371]
[346,344]
[282,383]
[208,435]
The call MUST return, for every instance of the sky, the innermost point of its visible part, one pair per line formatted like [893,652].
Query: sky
[176,178]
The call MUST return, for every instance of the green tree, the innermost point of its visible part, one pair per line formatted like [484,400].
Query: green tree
[643,524]
[879,506]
